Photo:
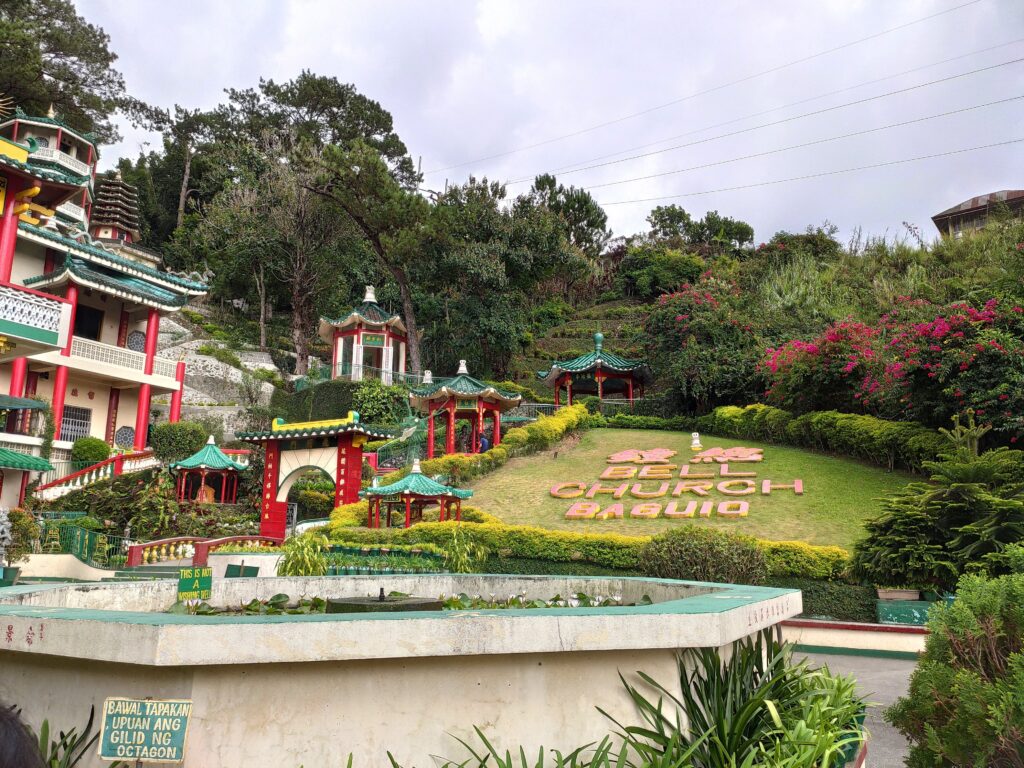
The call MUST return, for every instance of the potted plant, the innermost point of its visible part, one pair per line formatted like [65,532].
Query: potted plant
[898,593]
[18,530]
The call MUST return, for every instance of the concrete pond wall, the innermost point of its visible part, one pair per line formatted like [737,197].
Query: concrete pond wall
[288,690]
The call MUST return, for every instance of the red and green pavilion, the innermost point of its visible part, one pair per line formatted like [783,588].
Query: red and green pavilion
[598,373]
[461,397]
[208,476]
[411,495]
[367,343]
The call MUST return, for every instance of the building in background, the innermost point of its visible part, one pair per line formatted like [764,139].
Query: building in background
[80,299]
[971,215]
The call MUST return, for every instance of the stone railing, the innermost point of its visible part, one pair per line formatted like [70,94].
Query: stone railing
[162,551]
[359,372]
[74,211]
[120,356]
[530,411]
[61,158]
[41,316]
[122,464]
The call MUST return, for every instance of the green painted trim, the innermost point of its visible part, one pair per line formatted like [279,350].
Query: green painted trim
[10,328]
[873,653]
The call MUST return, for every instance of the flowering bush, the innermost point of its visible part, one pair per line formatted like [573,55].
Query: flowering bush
[918,363]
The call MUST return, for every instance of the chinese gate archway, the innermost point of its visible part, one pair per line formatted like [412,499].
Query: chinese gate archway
[334,446]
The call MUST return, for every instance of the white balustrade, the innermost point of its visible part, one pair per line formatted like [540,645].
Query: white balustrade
[61,158]
[72,210]
[30,309]
[120,356]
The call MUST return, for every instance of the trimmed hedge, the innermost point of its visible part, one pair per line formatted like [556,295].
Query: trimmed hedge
[89,450]
[832,599]
[704,554]
[329,400]
[174,442]
[629,421]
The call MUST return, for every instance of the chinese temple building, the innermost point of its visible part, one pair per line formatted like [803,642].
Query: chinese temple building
[208,476]
[410,495]
[367,343]
[461,397]
[598,373]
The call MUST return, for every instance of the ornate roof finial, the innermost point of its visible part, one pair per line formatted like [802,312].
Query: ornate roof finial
[416,467]
[370,297]
[51,113]
[598,342]
[463,368]
[428,377]
[211,441]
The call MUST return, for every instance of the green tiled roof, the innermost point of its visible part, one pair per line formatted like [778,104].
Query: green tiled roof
[335,429]
[103,278]
[589,362]
[208,457]
[11,403]
[14,460]
[369,312]
[19,114]
[192,286]
[46,174]
[462,385]
[416,484]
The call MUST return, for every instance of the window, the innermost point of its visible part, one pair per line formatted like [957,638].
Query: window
[77,423]
[88,322]
[42,142]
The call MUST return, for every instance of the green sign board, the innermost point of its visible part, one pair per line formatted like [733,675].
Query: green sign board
[373,339]
[465,403]
[148,730]
[195,584]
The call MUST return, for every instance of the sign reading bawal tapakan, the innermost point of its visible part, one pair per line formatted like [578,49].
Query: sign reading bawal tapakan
[148,730]
[712,482]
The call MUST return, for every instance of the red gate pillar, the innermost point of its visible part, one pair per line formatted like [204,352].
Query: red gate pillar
[349,471]
[273,513]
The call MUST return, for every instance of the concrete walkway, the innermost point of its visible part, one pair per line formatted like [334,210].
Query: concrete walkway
[881,682]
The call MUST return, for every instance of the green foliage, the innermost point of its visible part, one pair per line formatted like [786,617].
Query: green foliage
[174,442]
[833,600]
[329,400]
[797,558]
[671,424]
[89,450]
[591,402]
[462,554]
[304,556]
[651,269]
[963,519]
[378,403]
[23,532]
[315,504]
[965,705]
[221,354]
[69,748]
[704,554]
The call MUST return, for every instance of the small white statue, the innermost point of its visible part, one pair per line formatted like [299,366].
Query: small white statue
[695,442]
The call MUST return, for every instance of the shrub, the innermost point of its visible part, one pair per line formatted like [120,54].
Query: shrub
[314,504]
[304,556]
[378,403]
[329,400]
[591,402]
[797,558]
[174,442]
[21,527]
[831,599]
[965,705]
[628,421]
[89,450]
[220,354]
[704,554]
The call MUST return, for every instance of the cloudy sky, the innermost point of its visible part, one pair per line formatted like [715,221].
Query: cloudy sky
[510,88]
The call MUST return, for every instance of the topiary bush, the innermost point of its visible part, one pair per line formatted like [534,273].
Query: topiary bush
[832,599]
[965,705]
[314,504]
[705,554]
[89,450]
[174,442]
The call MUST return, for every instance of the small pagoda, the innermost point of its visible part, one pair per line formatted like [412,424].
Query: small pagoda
[367,343]
[411,495]
[461,397]
[598,373]
[207,477]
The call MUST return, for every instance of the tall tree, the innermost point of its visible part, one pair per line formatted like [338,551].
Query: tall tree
[51,55]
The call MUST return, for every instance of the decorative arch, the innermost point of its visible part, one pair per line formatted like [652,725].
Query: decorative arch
[286,484]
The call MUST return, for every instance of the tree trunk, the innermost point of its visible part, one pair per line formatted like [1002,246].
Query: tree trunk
[409,313]
[300,344]
[185,176]
[261,291]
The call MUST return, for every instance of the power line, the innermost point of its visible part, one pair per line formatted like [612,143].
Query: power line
[815,175]
[707,90]
[635,147]
[805,144]
[784,120]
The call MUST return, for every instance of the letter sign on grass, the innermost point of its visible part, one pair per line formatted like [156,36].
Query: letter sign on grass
[147,730]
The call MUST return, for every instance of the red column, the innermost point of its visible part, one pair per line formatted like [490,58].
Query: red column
[19,373]
[21,491]
[568,389]
[152,331]
[8,228]
[112,403]
[430,430]
[449,443]
[408,511]
[458,510]
[122,329]
[349,471]
[142,416]
[629,389]
[72,296]
[558,391]
[179,376]
[497,427]
[474,431]
[274,513]
[60,388]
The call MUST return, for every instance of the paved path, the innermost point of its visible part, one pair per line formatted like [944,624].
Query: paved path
[881,682]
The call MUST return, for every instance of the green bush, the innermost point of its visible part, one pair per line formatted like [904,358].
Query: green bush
[174,442]
[220,354]
[831,599]
[591,402]
[704,554]
[89,450]
[24,531]
[533,567]
[378,403]
[965,705]
[315,504]
[798,558]
[672,424]
[329,400]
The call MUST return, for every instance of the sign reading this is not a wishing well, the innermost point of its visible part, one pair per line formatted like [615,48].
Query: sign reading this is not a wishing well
[646,484]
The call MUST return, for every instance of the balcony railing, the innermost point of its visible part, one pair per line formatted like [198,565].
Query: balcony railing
[61,158]
[39,316]
[120,356]
[352,372]
[76,212]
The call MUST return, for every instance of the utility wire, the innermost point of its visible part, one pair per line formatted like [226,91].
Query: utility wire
[729,84]
[815,175]
[805,144]
[636,147]
[784,120]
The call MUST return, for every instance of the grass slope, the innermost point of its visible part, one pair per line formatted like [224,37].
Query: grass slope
[839,494]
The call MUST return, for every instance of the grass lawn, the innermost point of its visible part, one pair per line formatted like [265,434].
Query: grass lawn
[839,494]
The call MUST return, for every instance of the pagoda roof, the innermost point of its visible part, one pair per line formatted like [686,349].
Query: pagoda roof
[11,403]
[462,385]
[91,252]
[208,457]
[369,312]
[417,484]
[109,280]
[52,175]
[591,361]
[21,117]
[13,460]
[281,430]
